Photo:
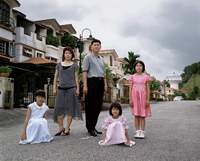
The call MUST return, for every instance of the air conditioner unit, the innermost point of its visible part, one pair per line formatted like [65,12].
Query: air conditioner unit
[6,92]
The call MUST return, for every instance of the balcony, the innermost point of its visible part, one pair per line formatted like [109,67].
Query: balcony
[55,53]
[29,39]
[7,22]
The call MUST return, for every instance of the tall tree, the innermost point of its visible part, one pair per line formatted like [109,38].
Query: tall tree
[190,70]
[155,85]
[108,72]
[130,61]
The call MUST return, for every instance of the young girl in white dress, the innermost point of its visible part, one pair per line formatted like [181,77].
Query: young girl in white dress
[35,125]
[115,127]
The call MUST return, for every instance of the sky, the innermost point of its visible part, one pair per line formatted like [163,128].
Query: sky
[165,33]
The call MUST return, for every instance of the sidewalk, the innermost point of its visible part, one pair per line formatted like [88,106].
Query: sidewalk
[106,106]
[11,116]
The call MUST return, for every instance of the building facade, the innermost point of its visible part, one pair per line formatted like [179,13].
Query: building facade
[7,27]
[174,80]
[31,49]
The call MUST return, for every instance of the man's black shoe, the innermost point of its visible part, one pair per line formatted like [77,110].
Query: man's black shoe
[98,132]
[92,133]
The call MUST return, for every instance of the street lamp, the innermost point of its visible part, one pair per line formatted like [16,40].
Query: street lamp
[80,45]
[86,29]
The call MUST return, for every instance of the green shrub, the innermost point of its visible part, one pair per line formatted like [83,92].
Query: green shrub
[52,40]
[5,69]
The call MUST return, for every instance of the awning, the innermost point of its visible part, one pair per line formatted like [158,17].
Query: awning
[38,60]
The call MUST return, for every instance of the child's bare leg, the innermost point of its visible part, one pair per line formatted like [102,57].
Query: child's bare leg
[104,135]
[142,123]
[126,134]
[129,142]
[137,121]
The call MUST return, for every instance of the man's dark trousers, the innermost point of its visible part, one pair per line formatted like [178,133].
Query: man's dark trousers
[93,101]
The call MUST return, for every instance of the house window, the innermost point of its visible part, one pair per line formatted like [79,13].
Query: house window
[47,57]
[6,48]
[54,59]
[39,55]
[50,58]
[4,13]
[3,47]
[50,32]
[111,61]
[27,52]
[38,36]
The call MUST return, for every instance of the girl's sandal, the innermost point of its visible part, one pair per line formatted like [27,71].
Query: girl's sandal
[130,144]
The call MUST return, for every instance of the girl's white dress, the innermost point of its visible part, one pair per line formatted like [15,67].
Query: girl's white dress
[37,129]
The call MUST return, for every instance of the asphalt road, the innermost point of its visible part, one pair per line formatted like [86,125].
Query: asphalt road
[173,134]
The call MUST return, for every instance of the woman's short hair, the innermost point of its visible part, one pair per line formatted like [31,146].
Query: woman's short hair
[117,106]
[67,49]
[140,62]
[40,93]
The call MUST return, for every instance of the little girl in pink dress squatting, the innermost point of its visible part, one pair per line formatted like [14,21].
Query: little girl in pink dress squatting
[115,127]
[35,128]
[139,97]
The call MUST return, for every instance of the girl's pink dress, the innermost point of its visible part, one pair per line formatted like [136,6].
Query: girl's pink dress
[115,130]
[139,95]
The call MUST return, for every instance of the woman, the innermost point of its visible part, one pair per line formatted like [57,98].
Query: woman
[66,89]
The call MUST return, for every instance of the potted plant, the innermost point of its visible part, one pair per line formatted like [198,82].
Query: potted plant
[5,71]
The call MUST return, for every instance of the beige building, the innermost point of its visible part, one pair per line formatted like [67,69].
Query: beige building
[174,80]
[112,59]
[7,37]
[7,27]
[32,38]
[22,39]
[115,63]
[31,49]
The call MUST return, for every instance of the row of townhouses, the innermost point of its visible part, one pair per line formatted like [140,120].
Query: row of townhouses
[32,49]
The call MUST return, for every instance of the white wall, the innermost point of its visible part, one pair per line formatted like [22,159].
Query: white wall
[174,84]
[5,34]
[86,44]
[29,40]
[19,54]
[106,59]
[53,52]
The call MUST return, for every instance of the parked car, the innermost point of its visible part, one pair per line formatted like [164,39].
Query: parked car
[178,98]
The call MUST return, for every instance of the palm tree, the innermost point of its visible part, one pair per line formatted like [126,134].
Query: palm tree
[108,72]
[130,61]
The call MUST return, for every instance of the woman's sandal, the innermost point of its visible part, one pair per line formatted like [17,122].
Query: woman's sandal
[60,133]
[66,133]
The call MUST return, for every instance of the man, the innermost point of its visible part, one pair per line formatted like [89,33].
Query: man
[94,85]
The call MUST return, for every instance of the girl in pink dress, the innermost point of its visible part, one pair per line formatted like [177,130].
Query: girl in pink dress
[115,127]
[139,97]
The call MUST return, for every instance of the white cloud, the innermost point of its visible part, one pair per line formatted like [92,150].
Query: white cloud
[163,32]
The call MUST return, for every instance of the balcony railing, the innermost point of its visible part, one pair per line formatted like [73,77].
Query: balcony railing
[10,23]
